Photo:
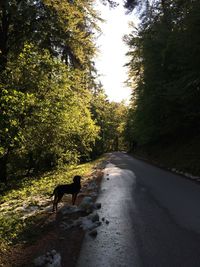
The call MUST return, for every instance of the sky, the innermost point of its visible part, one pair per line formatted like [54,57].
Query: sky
[111,57]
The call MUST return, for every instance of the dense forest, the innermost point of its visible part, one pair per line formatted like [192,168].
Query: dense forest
[53,109]
[164,72]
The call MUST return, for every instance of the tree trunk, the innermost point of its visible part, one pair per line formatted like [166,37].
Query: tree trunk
[4,28]
[3,168]
[166,14]
[30,163]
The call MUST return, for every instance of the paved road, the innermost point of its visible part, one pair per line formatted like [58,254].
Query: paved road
[154,218]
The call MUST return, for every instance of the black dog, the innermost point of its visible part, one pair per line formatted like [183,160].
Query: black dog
[73,189]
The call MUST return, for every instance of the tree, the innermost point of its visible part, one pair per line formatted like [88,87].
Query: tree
[164,73]
[66,29]
[110,117]
[46,78]
[43,115]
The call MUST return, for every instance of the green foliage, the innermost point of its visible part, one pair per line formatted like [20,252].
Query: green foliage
[50,114]
[46,78]
[110,117]
[16,216]
[164,72]
[64,28]
[51,119]
[12,103]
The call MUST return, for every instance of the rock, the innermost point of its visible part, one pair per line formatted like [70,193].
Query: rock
[53,252]
[93,217]
[87,204]
[69,210]
[98,223]
[56,261]
[48,254]
[39,261]
[93,194]
[89,222]
[77,222]
[103,219]
[93,233]
[97,205]
[92,186]
[51,259]
[107,222]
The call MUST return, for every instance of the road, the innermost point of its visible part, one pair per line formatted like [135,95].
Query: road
[154,218]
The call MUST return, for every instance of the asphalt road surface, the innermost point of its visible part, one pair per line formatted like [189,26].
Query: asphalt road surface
[154,218]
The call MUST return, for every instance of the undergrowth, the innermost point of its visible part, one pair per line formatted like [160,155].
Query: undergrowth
[182,154]
[21,205]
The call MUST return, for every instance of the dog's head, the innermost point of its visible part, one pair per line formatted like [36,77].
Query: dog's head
[77,179]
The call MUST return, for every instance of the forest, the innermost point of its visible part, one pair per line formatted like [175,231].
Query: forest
[164,72]
[54,110]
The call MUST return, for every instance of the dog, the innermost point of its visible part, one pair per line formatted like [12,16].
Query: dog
[73,189]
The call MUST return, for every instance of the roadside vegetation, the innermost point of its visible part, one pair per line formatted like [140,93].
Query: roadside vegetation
[54,110]
[164,53]
[24,205]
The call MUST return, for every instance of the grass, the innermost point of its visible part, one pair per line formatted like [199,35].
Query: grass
[22,205]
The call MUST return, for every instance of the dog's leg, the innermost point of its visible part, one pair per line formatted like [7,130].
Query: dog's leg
[59,199]
[74,198]
[56,200]
[55,203]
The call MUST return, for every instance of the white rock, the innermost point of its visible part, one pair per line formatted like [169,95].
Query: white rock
[51,259]
[69,209]
[40,261]
[94,217]
[56,261]
[87,204]
[88,225]
[88,222]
